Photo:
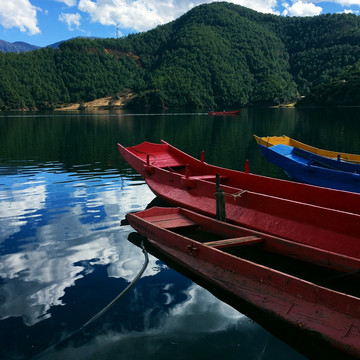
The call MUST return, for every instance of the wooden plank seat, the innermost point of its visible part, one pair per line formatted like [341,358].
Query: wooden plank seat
[190,181]
[171,221]
[211,177]
[166,161]
[170,165]
[244,240]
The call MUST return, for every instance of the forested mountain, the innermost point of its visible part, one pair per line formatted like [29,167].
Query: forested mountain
[344,89]
[216,55]
[17,46]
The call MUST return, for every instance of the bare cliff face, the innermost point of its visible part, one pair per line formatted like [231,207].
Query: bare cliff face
[117,101]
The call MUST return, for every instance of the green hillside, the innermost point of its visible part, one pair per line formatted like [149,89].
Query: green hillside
[217,55]
[343,90]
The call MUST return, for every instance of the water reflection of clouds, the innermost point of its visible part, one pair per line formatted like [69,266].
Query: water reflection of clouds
[16,205]
[35,286]
[49,259]
[37,280]
[192,311]
[183,325]
[200,327]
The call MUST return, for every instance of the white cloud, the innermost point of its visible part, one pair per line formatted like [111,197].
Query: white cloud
[300,8]
[349,2]
[137,15]
[348,11]
[72,20]
[142,15]
[68,2]
[264,6]
[19,14]
[340,2]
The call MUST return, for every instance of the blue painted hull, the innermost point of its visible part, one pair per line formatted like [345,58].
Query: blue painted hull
[330,163]
[312,169]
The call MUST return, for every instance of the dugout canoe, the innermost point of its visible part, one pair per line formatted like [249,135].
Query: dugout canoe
[269,141]
[323,218]
[307,292]
[304,166]
[223,113]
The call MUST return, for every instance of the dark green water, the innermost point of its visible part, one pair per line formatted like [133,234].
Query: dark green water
[63,256]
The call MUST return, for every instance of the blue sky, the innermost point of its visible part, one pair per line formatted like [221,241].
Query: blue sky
[44,22]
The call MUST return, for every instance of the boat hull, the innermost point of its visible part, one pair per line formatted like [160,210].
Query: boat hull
[313,169]
[223,113]
[269,141]
[296,212]
[166,157]
[315,309]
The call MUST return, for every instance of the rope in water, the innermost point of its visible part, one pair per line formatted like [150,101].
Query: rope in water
[106,308]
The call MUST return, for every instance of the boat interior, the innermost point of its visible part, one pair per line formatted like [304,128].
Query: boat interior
[273,253]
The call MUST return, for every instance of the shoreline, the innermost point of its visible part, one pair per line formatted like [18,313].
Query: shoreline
[117,101]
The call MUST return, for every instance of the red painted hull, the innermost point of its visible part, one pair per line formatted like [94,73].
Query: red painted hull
[222,113]
[332,314]
[323,218]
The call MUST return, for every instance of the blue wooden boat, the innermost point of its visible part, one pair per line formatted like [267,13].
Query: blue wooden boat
[285,140]
[307,167]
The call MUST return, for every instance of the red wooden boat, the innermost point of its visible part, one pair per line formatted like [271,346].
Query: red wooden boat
[323,218]
[309,293]
[222,113]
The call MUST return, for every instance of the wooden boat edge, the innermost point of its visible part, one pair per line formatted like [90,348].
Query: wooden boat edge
[177,254]
[269,141]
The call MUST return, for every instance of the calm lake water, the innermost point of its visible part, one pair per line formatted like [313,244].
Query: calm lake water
[63,255]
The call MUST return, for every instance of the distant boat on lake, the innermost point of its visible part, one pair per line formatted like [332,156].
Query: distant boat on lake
[221,113]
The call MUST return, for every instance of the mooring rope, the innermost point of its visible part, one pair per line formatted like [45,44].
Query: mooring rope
[106,308]
[235,195]
[238,194]
[145,153]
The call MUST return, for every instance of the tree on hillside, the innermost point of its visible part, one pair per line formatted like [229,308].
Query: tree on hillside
[216,55]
